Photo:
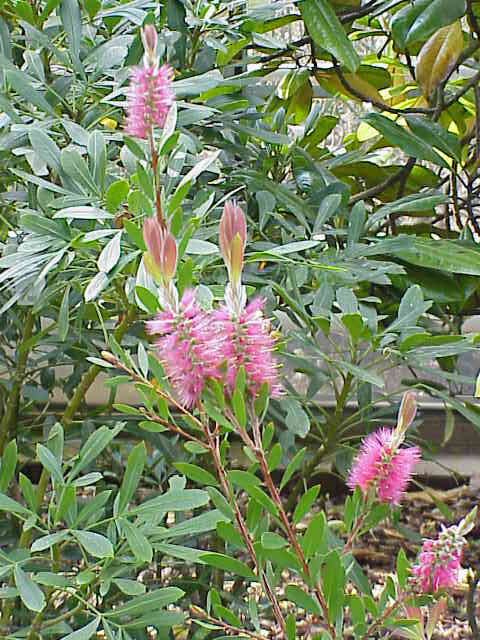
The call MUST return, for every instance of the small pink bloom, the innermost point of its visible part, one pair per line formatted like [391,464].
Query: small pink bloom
[187,348]
[439,563]
[150,97]
[248,341]
[381,466]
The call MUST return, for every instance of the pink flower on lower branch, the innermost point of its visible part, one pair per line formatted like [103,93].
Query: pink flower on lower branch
[187,348]
[248,341]
[382,466]
[150,97]
[439,563]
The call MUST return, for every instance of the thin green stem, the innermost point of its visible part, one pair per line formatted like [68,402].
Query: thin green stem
[10,416]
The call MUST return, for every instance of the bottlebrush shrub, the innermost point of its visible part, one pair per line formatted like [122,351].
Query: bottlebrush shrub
[211,376]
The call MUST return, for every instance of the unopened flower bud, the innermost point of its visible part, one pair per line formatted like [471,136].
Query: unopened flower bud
[407,411]
[149,40]
[233,233]
[161,257]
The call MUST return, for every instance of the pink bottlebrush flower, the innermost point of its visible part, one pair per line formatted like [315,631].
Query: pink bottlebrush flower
[380,464]
[439,563]
[150,97]
[187,348]
[248,341]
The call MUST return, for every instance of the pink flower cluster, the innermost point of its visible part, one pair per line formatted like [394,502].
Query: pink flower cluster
[195,345]
[439,563]
[150,97]
[248,342]
[382,466]
[187,348]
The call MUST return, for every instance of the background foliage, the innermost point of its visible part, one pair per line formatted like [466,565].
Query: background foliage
[366,250]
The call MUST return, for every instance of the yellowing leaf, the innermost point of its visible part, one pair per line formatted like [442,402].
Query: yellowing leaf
[329,80]
[438,56]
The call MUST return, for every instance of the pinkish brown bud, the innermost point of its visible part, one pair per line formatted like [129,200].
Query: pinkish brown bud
[407,412]
[149,38]
[161,256]
[233,233]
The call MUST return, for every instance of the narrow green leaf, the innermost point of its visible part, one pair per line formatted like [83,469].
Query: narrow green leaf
[97,156]
[133,473]
[9,463]
[146,603]
[221,561]
[293,465]
[30,593]
[50,463]
[46,148]
[94,446]
[138,542]
[271,540]
[129,587]
[173,500]
[94,543]
[402,568]
[71,18]
[21,84]
[305,502]
[45,542]
[85,633]
[64,315]
[196,473]
[302,599]
[239,408]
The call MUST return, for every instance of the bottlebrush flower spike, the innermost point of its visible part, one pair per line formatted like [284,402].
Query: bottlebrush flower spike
[187,348]
[246,340]
[150,94]
[233,234]
[439,562]
[383,467]
[161,257]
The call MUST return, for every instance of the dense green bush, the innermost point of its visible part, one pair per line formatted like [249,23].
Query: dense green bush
[365,250]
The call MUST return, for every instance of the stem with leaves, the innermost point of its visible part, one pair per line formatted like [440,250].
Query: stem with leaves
[272,489]
[213,442]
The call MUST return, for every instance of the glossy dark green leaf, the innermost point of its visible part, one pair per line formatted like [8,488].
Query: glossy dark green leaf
[418,20]
[434,134]
[398,136]
[328,32]
[442,254]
